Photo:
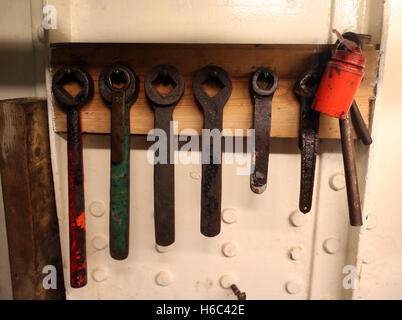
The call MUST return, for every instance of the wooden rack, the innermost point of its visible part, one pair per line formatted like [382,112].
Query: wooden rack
[288,61]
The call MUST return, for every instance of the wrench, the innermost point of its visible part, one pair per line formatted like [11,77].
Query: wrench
[262,101]
[163,106]
[211,164]
[78,262]
[120,99]
[352,187]
[308,137]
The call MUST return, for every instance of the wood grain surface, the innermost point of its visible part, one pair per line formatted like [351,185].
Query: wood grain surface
[288,61]
[29,202]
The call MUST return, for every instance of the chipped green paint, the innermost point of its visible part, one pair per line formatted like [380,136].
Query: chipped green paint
[119,198]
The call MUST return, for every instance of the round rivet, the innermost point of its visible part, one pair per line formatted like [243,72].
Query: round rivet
[99,275]
[229,216]
[297,253]
[337,182]
[97,208]
[163,278]
[293,286]
[163,249]
[368,257]
[227,280]
[229,249]
[331,245]
[371,222]
[195,175]
[99,242]
[297,219]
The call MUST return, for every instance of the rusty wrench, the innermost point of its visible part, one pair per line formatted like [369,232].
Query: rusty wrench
[308,137]
[78,262]
[211,163]
[309,143]
[309,128]
[119,98]
[349,162]
[262,101]
[163,106]
[348,152]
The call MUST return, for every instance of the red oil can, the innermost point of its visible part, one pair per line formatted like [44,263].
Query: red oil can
[339,83]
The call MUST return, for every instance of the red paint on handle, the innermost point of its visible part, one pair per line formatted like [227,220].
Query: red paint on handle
[78,264]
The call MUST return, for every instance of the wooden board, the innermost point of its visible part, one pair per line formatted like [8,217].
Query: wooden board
[288,61]
[29,203]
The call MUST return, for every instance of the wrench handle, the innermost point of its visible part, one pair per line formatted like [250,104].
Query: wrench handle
[78,263]
[211,184]
[119,225]
[262,126]
[359,124]
[352,187]
[308,144]
[164,204]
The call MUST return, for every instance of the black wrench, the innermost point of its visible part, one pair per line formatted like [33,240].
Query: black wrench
[76,212]
[262,101]
[212,108]
[163,106]
[308,136]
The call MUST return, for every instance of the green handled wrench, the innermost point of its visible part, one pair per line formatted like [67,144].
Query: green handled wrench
[119,87]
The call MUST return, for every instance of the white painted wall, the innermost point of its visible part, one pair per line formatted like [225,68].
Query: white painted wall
[214,21]
[265,234]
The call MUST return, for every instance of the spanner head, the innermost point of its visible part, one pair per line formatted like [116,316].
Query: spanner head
[308,84]
[267,75]
[216,73]
[120,73]
[72,74]
[153,95]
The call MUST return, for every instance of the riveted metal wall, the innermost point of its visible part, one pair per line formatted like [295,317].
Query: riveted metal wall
[266,245]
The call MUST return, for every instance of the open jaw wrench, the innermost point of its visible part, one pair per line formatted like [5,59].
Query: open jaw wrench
[163,106]
[78,262]
[262,101]
[308,137]
[212,107]
[119,87]
[352,187]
